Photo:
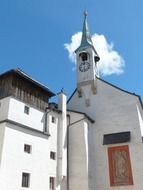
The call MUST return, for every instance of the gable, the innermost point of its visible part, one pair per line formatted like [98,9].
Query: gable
[111,87]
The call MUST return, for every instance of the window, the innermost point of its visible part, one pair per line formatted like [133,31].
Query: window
[25,179]
[26,110]
[53,119]
[27,148]
[52,183]
[120,166]
[53,155]
[84,56]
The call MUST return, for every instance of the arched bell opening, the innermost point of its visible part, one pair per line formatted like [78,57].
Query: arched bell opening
[84,56]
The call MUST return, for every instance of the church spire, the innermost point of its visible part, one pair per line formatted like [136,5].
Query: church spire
[86,37]
[86,40]
[87,67]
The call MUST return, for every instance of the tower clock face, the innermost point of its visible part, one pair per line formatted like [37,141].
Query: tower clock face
[84,66]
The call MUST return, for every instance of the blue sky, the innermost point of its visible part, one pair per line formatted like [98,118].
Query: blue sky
[33,34]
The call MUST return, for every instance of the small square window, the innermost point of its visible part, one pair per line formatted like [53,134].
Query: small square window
[53,119]
[53,155]
[52,183]
[27,148]
[26,110]
[25,179]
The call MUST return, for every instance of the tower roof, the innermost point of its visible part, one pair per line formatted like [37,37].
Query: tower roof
[86,40]
[86,37]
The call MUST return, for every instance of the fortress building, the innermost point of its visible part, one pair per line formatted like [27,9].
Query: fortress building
[93,141]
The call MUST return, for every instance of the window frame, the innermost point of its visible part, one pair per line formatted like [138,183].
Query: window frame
[53,119]
[26,110]
[52,183]
[84,56]
[52,155]
[25,183]
[27,148]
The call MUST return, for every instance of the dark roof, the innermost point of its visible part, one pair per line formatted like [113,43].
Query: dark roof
[24,126]
[23,75]
[54,107]
[133,94]
[89,118]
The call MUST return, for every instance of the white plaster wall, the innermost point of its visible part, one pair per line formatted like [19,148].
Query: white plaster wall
[78,153]
[15,160]
[113,111]
[90,74]
[53,143]
[62,143]
[63,122]
[34,119]
[4,107]
[140,116]
[2,133]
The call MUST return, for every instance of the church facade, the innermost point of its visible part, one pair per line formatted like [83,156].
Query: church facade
[107,153]
[93,141]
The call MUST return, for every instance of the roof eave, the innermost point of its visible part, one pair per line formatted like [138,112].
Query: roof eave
[25,76]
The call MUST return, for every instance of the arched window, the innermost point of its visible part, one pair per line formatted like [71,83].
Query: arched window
[84,56]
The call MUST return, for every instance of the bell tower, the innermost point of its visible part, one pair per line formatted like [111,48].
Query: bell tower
[86,58]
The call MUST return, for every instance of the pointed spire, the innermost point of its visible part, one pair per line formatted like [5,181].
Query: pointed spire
[86,37]
[86,40]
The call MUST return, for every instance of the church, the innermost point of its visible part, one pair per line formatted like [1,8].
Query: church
[92,141]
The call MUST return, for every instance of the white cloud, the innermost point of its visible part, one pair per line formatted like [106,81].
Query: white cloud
[111,62]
